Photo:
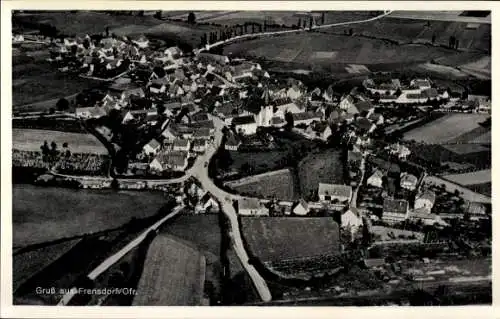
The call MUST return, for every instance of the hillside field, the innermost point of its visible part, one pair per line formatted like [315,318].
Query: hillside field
[278,184]
[45,214]
[446,129]
[173,275]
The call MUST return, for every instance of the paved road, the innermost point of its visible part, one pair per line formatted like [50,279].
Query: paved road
[110,261]
[226,201]
[255,35]
[354,198]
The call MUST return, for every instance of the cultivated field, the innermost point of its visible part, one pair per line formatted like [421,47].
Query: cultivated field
[324,167]
[304,48]
[31,140]
[478,177]
[278,184]
[480,68]
[446,128]
[464,149]
[173,275]
[27,264]
[45,214]
[82,22]
[440,16]
[270,239]
[39,82]
[466,193]
[259,161]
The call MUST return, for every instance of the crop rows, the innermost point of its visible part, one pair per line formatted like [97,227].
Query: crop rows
[83,164]
[28,159]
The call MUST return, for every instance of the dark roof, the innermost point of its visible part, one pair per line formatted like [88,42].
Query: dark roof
[233,140]
[395,205]
[247,119]
[363,106]
[201,132]
[363,123]
[306,116]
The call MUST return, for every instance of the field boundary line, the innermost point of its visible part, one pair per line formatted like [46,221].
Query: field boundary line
[120,254]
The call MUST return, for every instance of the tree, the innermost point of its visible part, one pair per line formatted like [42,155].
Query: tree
[456,44]
[62,104]
[323,18]
[158,15]
[310,23]
[140,13]
[191,18]
[433,38]
[300,23]
[45,148]
[289,120]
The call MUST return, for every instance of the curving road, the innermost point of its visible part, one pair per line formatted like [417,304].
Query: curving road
[317,27]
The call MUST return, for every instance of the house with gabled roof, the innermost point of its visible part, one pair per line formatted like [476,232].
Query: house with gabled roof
[334,192]
[152,147]
[375,179]
[207,203]
[347,102]
[182,145]
[302,208]
[425,200]
[351,219]
[395,210]
[175,161]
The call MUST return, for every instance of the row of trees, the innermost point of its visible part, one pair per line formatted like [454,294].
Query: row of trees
[250,28]
[50,153]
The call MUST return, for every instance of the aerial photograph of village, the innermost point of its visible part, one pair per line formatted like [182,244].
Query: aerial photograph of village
[251,158]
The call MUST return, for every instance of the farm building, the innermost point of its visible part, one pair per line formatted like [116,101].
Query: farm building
[251,207]
[395,210]
[425,200]
[282,245]
[176,161]
[152,147]
[334,192]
